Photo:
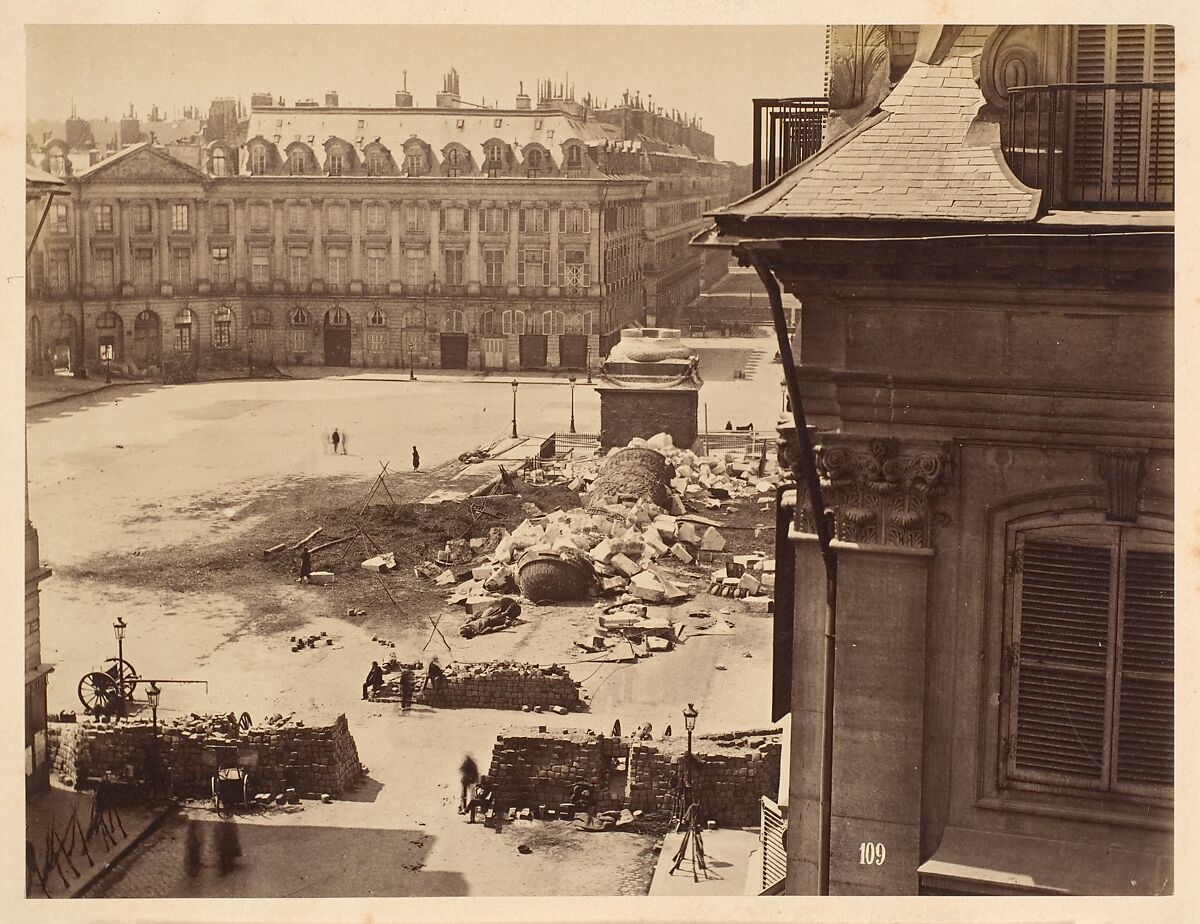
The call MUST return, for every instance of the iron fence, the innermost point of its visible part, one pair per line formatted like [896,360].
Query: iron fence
[1094,145]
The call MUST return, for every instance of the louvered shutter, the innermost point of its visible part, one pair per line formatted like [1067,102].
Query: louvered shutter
[466,218]
[1160,152]
[545,220]
[546,268]
[521,220]
[521,264]
[1063,624]
[506,219]
[562,220]
[587,221]
[442,219]
[1145,709]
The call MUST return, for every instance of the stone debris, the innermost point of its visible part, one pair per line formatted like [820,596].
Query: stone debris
[320,577]
[381,564]
[495,685]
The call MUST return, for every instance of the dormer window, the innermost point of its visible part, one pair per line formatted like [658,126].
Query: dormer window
[574,161]
[58,163]
[337,163]
[258,159]
[376,163]
[297,162]
[533,163]
[218,162]
[415,163]
[495,160]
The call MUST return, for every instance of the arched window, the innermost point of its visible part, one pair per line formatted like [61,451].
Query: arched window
[223,328]
[183,329]
[487,322]
[377,335]
[414,162]
[297,161]
[456,321]
[377,318]
[533,162]
[413,319]
[58,163]
[337,317]
[258,158]
[513,322]
[218,162]
[298,317]
[574,159]
[377,162]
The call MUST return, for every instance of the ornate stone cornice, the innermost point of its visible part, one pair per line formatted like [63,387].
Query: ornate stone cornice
[1123,471]
[880,491]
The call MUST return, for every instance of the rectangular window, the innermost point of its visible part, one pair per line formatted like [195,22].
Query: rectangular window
[220,267]
[143,269]
[179,217]
[1090,665]
[260,216]
[297,217]
[377,269]
[183,337]
[338,271]
[415,261]
[337,217]
[60,223]
[574,272]
[102,270]
[220,217]
[455,218]
[494,220]
[534,221]
[454,267]
[376,217]
[336,163]
[58,272]
[575,220]
[143,217]
[493,267]
[260,269]
[298,270]
[297,339]
[376,340]
[533,268]
[102,219]
[416,218]
[415,164]
[181,270]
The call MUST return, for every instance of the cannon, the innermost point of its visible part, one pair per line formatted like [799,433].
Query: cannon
[101,690]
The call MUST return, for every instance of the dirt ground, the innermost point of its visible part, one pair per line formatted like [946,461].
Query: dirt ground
[157,507]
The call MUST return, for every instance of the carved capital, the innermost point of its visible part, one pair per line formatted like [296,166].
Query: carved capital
[1123,471]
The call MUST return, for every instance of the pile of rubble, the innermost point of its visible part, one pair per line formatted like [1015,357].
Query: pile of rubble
[500,685]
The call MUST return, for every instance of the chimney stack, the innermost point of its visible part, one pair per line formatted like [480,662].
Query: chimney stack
[523,101]
[331,98]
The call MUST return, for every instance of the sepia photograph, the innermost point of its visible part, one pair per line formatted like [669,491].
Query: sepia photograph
[763,470]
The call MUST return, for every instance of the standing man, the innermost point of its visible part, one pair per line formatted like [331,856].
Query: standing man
[374,680]
[305,565]
[344,442]
[408,686]
[337,439]
[469,776]
[416,459]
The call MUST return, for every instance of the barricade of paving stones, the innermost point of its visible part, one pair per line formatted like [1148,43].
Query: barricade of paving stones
[310,759]
[532,769]
[503,685]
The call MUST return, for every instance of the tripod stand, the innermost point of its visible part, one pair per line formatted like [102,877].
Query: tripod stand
[691,838]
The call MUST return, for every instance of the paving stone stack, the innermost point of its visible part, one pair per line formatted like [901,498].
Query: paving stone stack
[531,769]
[503,685]
[310,759]
[62,743]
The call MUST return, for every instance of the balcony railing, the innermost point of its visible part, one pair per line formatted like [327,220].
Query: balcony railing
[786,132]
[1108,145]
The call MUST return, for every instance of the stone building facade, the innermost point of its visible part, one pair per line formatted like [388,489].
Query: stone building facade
[453,237]
[986,360]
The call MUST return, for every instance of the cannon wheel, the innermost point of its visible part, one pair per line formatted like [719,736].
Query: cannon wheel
[127,674]
[97,691]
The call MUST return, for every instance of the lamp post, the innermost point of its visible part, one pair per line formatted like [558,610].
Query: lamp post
[571,379]
[515,383]
[119,632]
[411,375]
[689,722]
[107,370]
[152,695]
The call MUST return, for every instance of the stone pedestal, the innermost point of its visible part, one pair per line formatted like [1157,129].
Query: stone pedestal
[629,411]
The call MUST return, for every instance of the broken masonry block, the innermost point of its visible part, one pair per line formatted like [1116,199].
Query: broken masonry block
[320,577]
[712,541]
[682,554]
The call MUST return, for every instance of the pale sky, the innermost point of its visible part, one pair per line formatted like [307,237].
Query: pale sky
[712,71]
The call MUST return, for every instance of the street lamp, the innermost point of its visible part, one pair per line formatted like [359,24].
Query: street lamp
[119,632]
[689,722]
[411,375]
[152,695]
[571,379]
[515,383]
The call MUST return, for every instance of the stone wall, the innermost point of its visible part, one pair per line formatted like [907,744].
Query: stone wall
[629,412]
[531,769]
[500,685]
[310,759]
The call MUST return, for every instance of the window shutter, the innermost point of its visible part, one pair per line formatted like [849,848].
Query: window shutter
[587,221]
[1145,724]
[562,271]
[442,219]
[1087,145]
[562,220]
[1161,153]
[521,268]
[545,268]
[467,218]
[545,220]
[1062,660]
[587,274]
[506,219]
[521,215]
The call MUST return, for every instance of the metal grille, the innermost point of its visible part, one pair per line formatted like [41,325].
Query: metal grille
[786,132]
[772,827]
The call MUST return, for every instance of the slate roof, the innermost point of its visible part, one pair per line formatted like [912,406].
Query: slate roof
[923,156]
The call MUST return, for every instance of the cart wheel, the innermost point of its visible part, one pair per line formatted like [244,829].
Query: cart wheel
[245,721]
[126,672]
[246,791]
[97,691]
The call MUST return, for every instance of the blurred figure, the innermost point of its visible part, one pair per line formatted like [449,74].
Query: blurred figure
[192,848]
[468,775]
[416,459]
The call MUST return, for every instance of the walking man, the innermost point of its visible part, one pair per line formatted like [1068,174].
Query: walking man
[416,459]
[469,775]
[337,441]
[305,565]
[408,686]
[374,681]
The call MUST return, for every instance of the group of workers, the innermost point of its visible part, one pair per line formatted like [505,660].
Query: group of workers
[434,676]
